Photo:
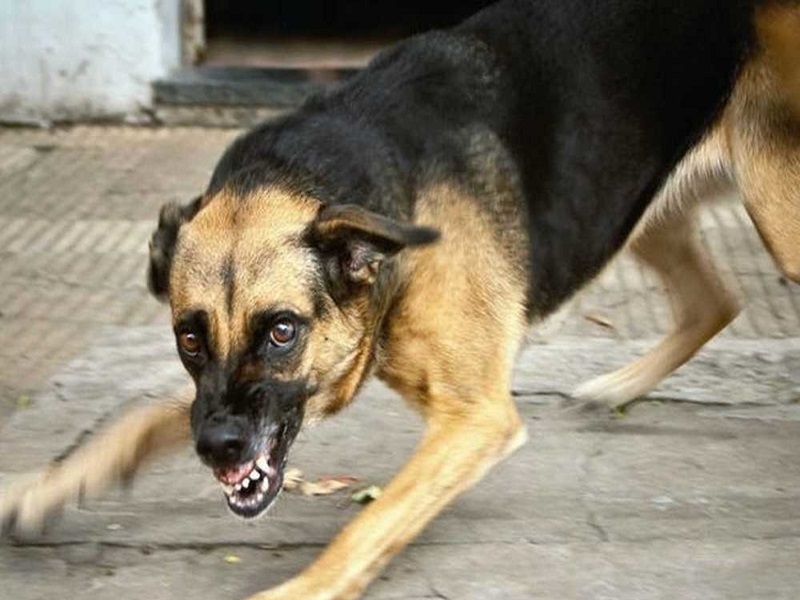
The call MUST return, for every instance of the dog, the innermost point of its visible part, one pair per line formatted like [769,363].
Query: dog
[414,222]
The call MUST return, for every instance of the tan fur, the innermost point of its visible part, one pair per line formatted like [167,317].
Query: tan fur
[464,304]
[756,147]
[778,32]
[701,306]
[113,456]
[764,137]
[250,234]
[258,236]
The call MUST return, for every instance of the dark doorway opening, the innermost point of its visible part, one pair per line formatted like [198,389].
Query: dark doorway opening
[318,34]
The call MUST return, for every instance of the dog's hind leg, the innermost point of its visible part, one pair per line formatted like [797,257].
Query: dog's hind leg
[757,142]
[701,307]
[666,242]
[113,456]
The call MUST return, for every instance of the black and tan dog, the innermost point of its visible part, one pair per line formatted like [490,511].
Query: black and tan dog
[412,223]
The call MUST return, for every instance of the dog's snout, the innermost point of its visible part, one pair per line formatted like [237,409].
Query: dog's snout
[222,442]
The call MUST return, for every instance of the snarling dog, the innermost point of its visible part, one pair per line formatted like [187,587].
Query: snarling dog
[413,223]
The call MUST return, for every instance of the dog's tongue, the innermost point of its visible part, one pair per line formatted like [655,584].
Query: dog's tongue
[233,475]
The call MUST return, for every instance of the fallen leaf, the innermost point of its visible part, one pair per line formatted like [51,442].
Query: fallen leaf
[599,320]
[292,479]
[327,485]
[232,559]
[348,479]
[293,482]
[366,495]
[310,488]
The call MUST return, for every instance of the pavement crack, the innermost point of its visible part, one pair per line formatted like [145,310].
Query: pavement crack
[705,403]
[206,547]
[81,437]
[533,395]
[591,520]
[435,592]
[84,434]
[165,546]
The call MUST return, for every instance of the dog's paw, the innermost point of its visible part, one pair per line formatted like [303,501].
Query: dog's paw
[28,505]
[616,391]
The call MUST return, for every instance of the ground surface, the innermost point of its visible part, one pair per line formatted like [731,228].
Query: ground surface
[694,496]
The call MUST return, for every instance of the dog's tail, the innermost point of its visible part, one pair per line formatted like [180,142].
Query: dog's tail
[777,25]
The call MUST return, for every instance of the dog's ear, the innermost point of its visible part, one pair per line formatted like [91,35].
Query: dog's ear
[359,240]
[162,243]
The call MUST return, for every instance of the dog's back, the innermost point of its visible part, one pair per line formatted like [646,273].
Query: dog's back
[607,97]
[578,110]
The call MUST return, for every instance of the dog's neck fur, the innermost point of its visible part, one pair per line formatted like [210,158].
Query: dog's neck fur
[331,157]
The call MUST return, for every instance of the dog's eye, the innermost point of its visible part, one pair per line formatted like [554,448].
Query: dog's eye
[282,333]
[190,343]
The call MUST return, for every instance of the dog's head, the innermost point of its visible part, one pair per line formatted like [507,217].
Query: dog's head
[275,298]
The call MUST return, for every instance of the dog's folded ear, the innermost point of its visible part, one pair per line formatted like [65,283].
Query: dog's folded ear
[162,243]
[361,240]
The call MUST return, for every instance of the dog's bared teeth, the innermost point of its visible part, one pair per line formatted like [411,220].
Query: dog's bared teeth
[228,489]
[246,483]
[238,487]
[265,484]
[255,475]
[262,463]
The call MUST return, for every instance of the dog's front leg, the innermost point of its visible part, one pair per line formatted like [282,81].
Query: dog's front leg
[113,455]
[454,454]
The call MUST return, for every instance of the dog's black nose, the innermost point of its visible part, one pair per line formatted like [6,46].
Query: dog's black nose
[222,442]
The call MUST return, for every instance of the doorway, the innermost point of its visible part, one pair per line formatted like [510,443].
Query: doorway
[314,34]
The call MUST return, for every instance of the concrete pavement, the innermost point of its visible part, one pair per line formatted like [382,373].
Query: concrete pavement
[696,495]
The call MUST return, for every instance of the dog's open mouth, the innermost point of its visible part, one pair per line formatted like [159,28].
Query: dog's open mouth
[251,487]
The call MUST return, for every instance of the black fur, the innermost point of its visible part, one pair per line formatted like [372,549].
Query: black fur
[581,108]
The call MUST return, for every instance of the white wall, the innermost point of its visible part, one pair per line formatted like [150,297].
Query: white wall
[77,59]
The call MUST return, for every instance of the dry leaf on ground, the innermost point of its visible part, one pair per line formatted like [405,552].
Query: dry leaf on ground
[293,481]
[326,485]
